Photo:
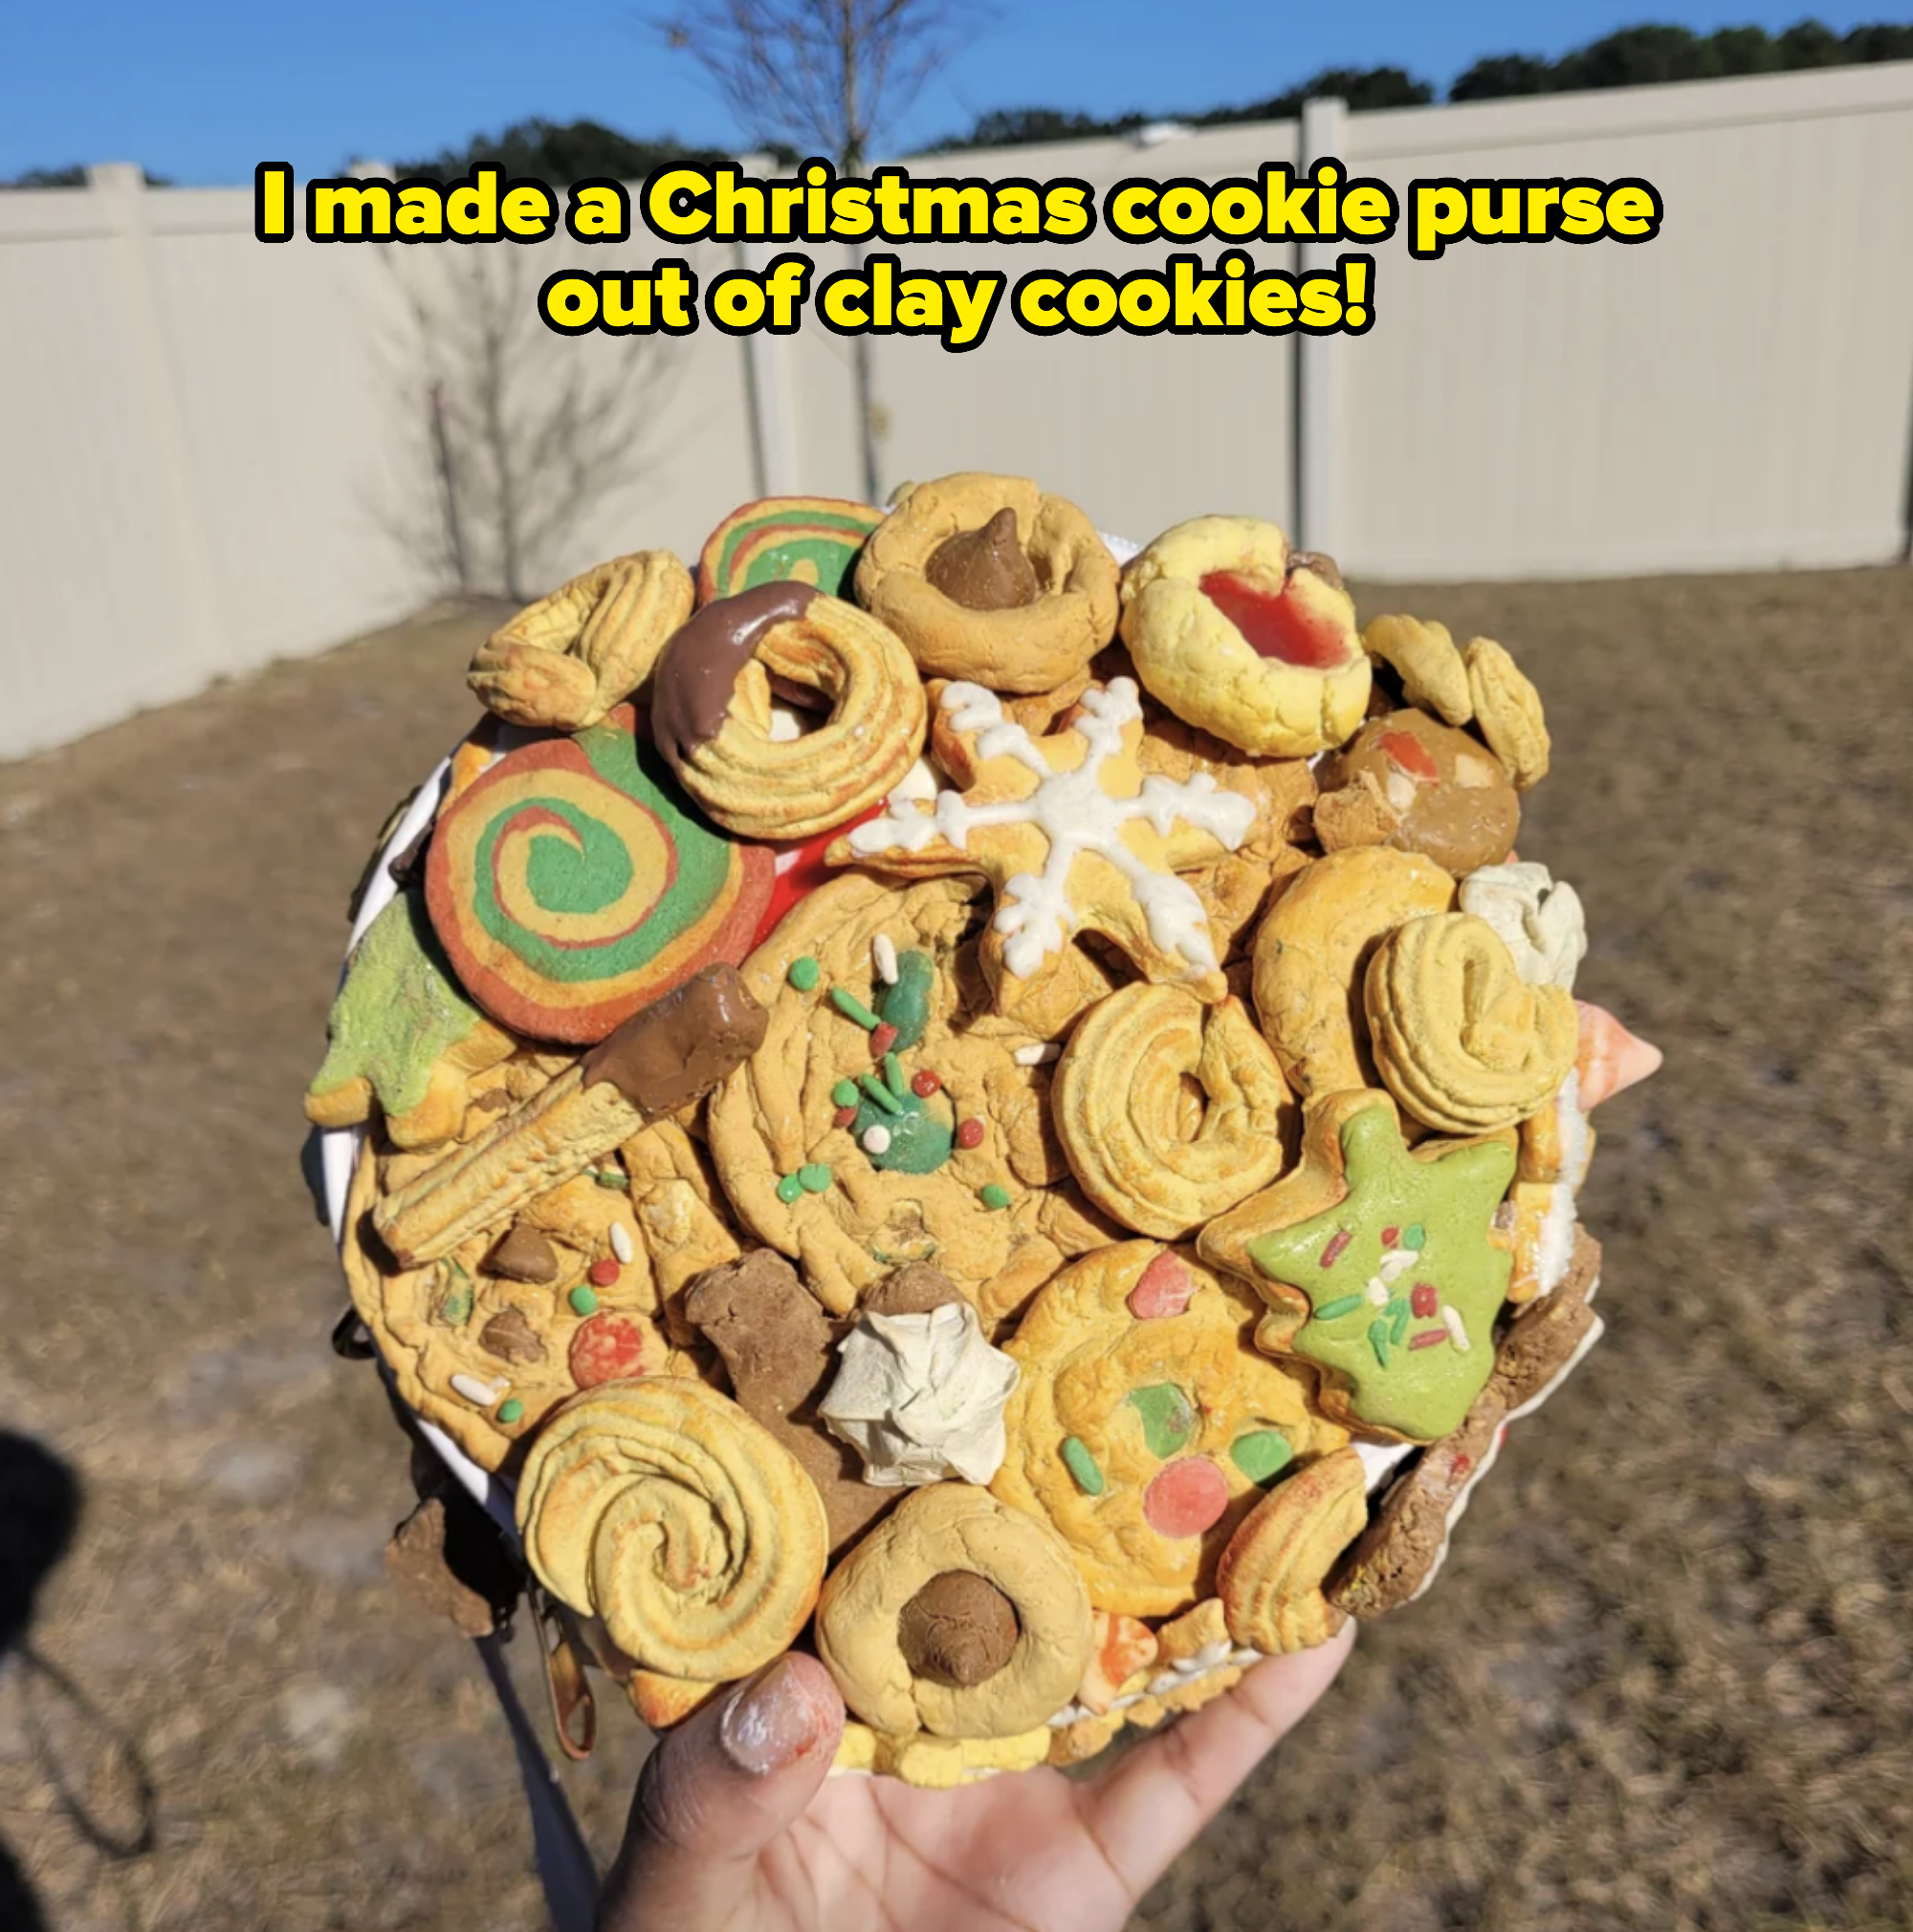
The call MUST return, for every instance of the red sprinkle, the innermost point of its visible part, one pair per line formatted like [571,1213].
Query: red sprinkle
[1407,756]
[844,1116]
[1164,1288]
[1461,1465]
[603,1271]
[1428,1338]
[883,1040]
[1337,1244]
[923,1085]
[970,1133]
[1390,1236]
[606,1349]
[1423,1299]
[1186,1498]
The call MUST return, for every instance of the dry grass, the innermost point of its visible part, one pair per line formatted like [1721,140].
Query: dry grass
[1665,1682]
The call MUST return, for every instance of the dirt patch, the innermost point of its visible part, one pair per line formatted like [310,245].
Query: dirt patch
[1664,1682]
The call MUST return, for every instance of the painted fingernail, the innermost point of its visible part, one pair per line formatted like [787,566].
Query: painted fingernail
[769,1723]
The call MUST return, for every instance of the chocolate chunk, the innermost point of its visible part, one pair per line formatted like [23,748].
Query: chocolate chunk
[1323,566]
[913,1290]
[697,670]
[524,1255]
[677,1050]
[452,1567]
[509,1337]
[984,569]
[777,1347]
[960,1629]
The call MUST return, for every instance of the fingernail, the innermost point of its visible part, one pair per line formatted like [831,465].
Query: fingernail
[769,1723]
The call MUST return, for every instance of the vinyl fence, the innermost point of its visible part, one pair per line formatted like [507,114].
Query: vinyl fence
[214,454]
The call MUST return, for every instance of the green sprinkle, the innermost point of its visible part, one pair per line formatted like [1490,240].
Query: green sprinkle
[1262,1454]
[455,1306]
[1378,1339]
[1081,1466]
[1399,1326]
[611,1177]
[1413,1237]
[583,1299]
[813,1176]
[845,1093]
[803,973]
[880,1095]
[995,1196]
[893,1074]
[788,1188]
[511,1410]
[853,1008]
[1342,1305]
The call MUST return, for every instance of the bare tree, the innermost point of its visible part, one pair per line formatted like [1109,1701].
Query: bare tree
[828,77]
[522,430]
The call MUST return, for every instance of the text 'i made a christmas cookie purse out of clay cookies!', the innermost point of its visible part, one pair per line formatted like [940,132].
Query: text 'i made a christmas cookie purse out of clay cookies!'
[1010,1119]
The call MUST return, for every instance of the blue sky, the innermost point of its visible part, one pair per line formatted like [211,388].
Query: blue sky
[201,90]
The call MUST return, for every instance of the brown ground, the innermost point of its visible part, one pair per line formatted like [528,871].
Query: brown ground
[1665,1682]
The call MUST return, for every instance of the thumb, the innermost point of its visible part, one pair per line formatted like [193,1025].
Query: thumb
[716,1793]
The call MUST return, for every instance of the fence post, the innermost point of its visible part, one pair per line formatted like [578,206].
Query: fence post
[122,188]
[1318,360]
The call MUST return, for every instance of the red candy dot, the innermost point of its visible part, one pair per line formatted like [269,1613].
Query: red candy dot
[606,1349]
[603,1271]
[970,1133]
[1186,1498]
[883,1040]
[1162,1289]
[923,1085]
[1423,1299]
[844,1116]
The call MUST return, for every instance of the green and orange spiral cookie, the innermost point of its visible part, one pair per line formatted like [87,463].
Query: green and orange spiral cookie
[786,539]
[572,884]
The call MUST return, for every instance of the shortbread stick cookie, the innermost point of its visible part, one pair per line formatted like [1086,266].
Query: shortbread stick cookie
[660,1060]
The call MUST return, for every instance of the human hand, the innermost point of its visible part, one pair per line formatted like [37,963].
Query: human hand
[733,1826]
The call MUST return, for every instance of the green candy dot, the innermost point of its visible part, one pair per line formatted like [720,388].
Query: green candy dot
[1081,1466]
[996,1197]
[1168,1417]
[1262,1454]
[813,1176]
[788,1188]
[846,1093]
[583,1299]
[511,1411]
[803,973]
[1413,1237]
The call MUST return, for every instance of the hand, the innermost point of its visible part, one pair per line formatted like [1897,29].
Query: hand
[733,1826]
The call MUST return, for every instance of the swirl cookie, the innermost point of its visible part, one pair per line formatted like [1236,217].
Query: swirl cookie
[571,885]
[1418,786]
[1142,1145]
[661,1507]
[987,578]
[1272,1576]
[1146,1422]
[1385,1268]
[1070,834]
[564,661]
[1315,948]
[868,1129]
[1462,1040]
[786,539]
[710,711]
[958,1617]
[1243,637]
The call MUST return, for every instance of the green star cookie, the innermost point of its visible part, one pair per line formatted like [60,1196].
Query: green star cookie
[1399,1277]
